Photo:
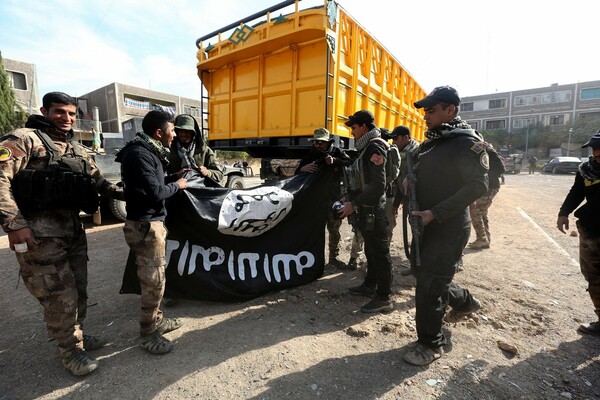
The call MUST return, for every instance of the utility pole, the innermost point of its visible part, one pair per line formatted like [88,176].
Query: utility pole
[569,142]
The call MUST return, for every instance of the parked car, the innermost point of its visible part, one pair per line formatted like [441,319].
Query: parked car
[562,165]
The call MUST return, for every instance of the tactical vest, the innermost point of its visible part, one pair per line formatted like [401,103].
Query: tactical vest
[66,183]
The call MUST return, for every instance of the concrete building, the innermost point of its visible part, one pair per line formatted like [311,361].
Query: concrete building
[122,106]
[23,80]
[556,106]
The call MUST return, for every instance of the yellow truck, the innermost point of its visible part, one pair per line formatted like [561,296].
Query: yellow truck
[269,80]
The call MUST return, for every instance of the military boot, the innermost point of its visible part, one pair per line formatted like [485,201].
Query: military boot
[93,342]
[167,325]
[480,244]
[80,363]
[155,343]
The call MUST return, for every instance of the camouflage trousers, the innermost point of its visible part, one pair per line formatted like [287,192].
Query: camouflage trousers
[391,217]
[357,244]
[589,260]
[479,215]
[55,272]
[147,241]
[333,227]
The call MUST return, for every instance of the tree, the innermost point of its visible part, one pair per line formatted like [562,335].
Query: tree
[9,118]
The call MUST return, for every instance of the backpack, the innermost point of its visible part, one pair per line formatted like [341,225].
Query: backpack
[392,162]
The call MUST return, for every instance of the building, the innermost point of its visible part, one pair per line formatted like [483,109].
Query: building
[556,106]
[23,80]
[122,105]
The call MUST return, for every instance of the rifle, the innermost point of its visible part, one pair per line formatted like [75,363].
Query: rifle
[416,223]
[347,193]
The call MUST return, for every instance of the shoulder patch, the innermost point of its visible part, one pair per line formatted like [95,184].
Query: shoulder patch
[5,153]
[485,160]
[377,159]
[478,147]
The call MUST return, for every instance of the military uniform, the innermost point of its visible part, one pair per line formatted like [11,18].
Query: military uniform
[451,174]
[201,154]
[55,269]
[142,168]
[479,208]
[370,202]
[587,186]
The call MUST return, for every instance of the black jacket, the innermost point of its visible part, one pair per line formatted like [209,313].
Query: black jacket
[340,160]
[589,213]
[144,184]
[451,174]
[372,166]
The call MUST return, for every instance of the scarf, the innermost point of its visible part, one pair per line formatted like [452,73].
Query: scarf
[186,155]
[153,145]
[590,169]
[366,138]
[446,129]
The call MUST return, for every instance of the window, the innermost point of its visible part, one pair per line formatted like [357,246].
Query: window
[557,119]
[495,124]
[590,116]
[590,93]
[522,122]
[17,80]
[497,103]
[466,106]
[192,110]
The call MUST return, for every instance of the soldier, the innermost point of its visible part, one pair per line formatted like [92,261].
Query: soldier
[451,173]
[324,151]
[43,225]
[479,209]
[190,150]
[401,138]
[587,186]
[142,167]
[368,200]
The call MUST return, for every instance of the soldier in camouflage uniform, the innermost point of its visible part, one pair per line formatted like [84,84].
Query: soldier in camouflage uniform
[48,236]
[143,162]
[587,186]
[479,208]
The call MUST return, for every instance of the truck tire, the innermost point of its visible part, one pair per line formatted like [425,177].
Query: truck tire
[235,182]
[117,208]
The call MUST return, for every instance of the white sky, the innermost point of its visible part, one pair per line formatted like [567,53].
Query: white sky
[477,46]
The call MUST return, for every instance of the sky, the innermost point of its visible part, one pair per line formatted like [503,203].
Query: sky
[476,46]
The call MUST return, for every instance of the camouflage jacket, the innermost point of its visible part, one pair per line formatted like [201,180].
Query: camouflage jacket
[22,148]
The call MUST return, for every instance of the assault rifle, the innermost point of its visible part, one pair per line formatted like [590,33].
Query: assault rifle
[416,223]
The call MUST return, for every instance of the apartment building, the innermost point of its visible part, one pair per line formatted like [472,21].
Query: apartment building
[119,103]
[555,106]
[23,81]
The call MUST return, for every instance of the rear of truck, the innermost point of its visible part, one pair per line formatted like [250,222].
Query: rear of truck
[271,79]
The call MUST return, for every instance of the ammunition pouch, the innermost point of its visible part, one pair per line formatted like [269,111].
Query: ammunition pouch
[55,188]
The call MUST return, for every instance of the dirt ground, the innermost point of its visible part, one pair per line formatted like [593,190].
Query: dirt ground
[313,342]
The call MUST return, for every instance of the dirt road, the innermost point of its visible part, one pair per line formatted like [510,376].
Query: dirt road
[313,342]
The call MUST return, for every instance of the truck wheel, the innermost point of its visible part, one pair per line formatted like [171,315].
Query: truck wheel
[117,207]
[235,182]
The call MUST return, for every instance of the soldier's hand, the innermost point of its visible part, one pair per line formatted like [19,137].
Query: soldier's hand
[562,223]
[183,171]
[20,236]
[182,183]
[203,170]
[347,210]
[426,216]
[311,167]
[328,160]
